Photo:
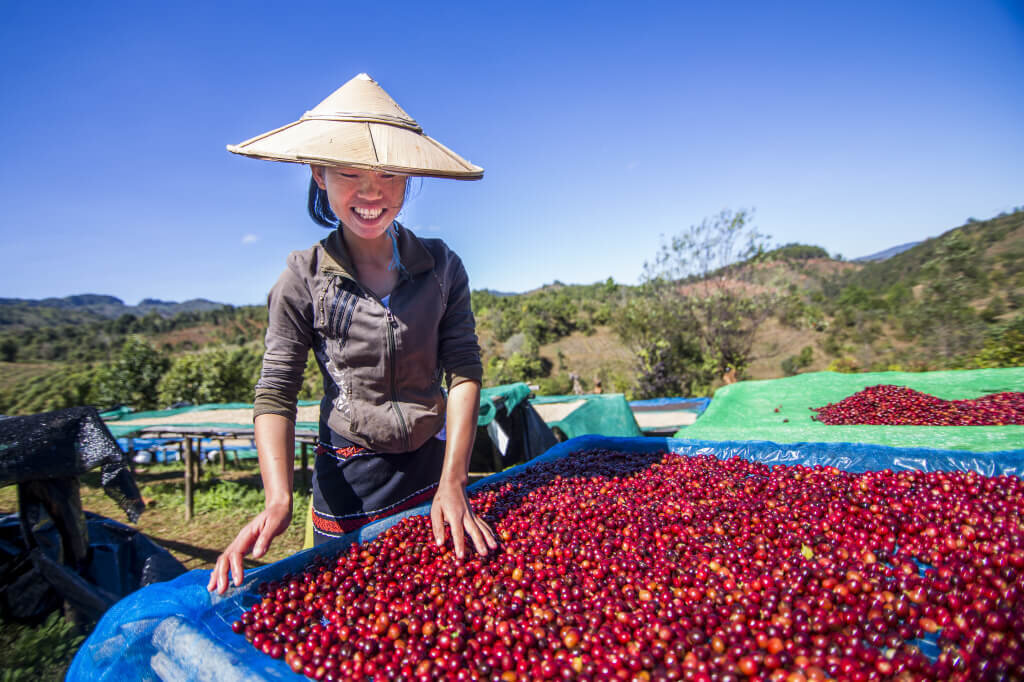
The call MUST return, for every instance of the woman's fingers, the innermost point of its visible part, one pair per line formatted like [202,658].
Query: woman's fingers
[237,570]
[489,537]
[457,512]
[458,536]
[262,543]
[230,561]
[475,532]
[215,576]
[437,523]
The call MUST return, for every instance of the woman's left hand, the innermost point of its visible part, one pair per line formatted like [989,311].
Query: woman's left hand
[451,505]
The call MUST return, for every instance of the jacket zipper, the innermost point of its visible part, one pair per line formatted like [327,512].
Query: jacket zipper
[392,351]
[323,313]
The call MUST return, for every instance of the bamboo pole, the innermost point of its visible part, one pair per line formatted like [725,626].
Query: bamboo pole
[223,459]
[187,447]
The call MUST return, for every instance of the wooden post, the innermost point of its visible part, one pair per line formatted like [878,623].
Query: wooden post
[223,462]
[197,461]
[305,465]
[187,447]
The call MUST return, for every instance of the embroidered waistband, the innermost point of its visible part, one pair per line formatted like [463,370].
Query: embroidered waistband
[334,526]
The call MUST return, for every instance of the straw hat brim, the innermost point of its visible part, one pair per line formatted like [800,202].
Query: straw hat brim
[359,144]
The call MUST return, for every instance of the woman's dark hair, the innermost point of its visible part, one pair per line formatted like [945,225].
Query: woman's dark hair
[319,207]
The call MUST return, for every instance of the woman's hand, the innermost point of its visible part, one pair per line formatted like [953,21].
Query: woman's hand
[256,537]
[451,506]
[275,445]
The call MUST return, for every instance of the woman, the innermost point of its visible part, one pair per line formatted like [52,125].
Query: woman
[387,316]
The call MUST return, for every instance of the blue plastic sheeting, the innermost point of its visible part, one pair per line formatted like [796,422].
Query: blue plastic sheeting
[178,631]
[697,405]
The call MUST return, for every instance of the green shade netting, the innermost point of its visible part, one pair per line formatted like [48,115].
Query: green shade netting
[125,414]
[123,422]
[603,415]
[746,410]
[511,394]
[116,413]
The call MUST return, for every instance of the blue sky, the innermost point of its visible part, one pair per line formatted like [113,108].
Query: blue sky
[602,126]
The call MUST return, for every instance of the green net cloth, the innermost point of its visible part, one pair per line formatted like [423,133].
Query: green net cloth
[603,415]
[746,410]
[511,394]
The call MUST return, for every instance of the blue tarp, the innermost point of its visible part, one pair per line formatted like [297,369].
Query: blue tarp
[176,630]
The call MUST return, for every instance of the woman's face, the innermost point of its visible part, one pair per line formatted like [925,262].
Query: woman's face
[365,201]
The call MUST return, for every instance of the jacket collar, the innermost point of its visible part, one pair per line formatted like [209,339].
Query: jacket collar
[415,257]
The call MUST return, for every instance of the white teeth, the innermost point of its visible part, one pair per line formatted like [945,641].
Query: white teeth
[368,213]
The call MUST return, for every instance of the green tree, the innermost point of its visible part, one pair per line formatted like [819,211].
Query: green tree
[215,375]
[697,312]
[8,349]
[133,376]
[794,363]
[1004,349]
[943,319]
[524,364]
[661,329]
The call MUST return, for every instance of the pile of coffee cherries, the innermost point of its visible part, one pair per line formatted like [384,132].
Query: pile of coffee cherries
[639,566]
[888,405]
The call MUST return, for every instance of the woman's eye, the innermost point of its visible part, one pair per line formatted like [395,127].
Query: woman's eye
[347,175]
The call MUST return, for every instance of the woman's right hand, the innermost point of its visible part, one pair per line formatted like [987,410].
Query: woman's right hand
[256,537]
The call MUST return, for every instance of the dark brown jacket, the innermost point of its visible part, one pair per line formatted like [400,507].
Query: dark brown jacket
[382,365]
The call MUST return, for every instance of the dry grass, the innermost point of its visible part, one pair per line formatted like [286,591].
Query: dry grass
[587,355]
[775,342]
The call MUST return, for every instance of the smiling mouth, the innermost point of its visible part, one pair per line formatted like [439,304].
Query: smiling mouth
[368,213]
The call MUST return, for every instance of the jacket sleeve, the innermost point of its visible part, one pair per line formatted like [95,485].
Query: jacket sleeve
[289,338]
[458,350]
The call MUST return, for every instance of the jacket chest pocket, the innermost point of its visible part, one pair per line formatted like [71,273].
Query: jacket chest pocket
[338,304]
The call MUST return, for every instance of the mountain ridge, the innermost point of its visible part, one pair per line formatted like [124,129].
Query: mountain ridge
[27,313]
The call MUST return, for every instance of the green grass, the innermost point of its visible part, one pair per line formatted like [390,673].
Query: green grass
[214,494]
[38,653]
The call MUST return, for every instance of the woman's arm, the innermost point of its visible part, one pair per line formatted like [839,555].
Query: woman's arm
[275,443]
[451,504]
[290,322]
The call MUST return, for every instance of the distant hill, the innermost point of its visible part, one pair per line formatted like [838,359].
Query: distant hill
[23,313]
[996,248]
[888,253]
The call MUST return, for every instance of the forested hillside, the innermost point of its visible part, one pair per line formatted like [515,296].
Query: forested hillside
[18,313]
[956,300]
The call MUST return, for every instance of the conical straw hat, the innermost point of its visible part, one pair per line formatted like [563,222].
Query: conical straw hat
[360,126]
